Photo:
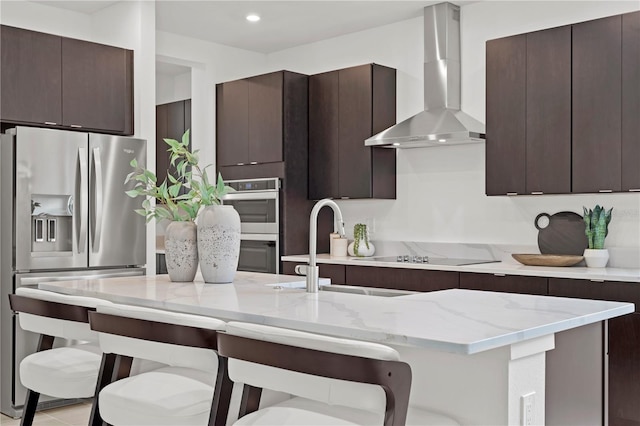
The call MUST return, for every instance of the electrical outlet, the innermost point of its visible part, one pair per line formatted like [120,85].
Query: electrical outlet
[527,407]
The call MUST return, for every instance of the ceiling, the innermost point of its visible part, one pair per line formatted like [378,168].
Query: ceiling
[284,24]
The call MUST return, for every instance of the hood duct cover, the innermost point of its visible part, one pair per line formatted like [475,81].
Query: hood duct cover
[442,122]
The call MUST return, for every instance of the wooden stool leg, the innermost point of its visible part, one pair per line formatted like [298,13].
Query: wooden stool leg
[104,378]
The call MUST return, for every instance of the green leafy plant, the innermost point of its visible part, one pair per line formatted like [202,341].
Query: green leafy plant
[178,197]
[596,225]
[360,233]
[188,166]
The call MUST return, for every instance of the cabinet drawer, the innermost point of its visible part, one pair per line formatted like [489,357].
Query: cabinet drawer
[504,283]
[616,291]
[334,272]
[401,279]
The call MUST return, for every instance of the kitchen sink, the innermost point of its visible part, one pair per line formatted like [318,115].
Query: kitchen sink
[370,291]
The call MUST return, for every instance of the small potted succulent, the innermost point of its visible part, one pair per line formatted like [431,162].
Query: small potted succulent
[596,228]
[361,246]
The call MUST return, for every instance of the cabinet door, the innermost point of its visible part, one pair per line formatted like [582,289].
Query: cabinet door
[506,124]
[31,77]
[597,99]
[631,101]
[232,123]
[504,283]
[96,86]
[383,160]
[327,270]
[401,278]
[162,156]
[265,118]
[324,146]
[354,126]
[172,127]
[548,106]
[624,370]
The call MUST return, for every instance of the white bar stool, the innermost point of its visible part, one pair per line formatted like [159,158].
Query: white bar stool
[334,381]
[61,372]
[181,393]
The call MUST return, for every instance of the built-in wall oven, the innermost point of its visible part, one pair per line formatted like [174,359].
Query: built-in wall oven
[257,202]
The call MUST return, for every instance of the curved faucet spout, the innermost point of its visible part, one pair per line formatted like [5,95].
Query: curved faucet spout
[312,269]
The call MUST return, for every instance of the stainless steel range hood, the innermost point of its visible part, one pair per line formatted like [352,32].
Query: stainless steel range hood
[442,122]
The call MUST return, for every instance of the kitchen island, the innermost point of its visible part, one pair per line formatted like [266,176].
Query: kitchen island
[473,354]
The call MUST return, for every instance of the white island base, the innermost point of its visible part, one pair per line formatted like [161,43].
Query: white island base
[509,386]
[474,354]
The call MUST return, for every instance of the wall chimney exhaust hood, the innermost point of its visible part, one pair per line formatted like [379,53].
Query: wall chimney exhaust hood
[442,122]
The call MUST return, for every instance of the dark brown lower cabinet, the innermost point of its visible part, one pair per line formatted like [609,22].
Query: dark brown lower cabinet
[624,343]
[393,278]
[624,370]
[504,283]
[327,270]
[401,278]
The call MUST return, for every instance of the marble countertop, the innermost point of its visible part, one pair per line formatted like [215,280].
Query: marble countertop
[574,272]
[457,321]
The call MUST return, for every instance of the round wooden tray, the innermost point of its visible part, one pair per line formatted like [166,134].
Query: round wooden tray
[547,259]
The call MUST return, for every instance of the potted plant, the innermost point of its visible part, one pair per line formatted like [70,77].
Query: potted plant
[596,228]
[181,209]
[361,246]
[218,226]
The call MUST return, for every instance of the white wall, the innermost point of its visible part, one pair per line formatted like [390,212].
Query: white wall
[172,88]
[440,191]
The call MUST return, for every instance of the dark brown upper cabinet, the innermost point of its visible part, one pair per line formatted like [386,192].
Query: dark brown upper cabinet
[251,121]
[31,77]
[58,81]
[562,108]
[597,105]
[506,124]
[346,107]
[631,101]
[528,148]
[97,86]
[172,120]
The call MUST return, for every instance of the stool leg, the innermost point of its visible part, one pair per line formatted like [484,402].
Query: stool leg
[104,378]
[221,395]
[250,401]
[30,405]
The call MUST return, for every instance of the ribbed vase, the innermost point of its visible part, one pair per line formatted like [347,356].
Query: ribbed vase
[218,243]
[181,251]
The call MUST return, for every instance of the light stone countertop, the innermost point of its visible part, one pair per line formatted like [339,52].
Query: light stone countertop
[457,321]
[574,272]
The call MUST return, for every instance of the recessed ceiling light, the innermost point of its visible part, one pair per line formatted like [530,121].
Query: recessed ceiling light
[253,18]
[442,140]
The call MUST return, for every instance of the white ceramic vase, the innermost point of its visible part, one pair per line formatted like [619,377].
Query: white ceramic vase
[363,250]
[596,258]
[181,251]
[218,243]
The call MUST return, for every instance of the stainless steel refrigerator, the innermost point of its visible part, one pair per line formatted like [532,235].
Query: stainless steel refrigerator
[64,215]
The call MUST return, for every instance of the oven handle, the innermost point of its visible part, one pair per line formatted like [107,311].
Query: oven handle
[257,195]
[259,237]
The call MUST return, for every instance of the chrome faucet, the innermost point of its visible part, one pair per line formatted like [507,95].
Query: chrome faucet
[312,271]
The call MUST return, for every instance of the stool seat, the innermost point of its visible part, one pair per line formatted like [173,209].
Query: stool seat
[66,372]
[306,412]
[166,396]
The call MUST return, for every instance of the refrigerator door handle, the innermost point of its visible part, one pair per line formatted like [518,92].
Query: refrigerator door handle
[97,196]
[81,207]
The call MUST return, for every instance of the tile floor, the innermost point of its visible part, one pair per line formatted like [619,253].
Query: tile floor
[71,415]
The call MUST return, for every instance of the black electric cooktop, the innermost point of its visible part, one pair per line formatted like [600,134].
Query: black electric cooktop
[427,260]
